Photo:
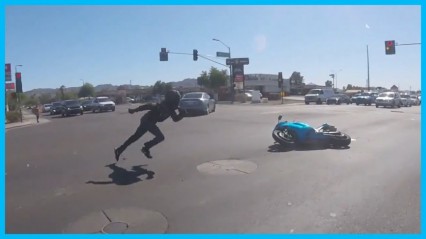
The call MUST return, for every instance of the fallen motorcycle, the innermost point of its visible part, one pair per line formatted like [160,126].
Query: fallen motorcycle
[290,134]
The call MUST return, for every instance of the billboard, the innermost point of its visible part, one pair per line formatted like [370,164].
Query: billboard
[8,72]
[10,86]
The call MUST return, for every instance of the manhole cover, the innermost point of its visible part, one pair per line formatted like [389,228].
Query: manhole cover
[120,220]
[227,167]
[115,228]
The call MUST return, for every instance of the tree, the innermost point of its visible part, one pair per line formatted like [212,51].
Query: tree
[217,78]
[62,89]
[349,87]
[86,90]
[161,87]
[45,98]
[329,83]
[296,78]
[203,80]
[213,80]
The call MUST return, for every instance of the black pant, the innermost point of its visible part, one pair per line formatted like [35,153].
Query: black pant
[145,126]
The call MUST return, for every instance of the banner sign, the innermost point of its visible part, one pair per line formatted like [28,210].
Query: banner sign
[8,71]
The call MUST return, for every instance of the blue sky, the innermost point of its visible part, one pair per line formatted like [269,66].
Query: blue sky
[66,45]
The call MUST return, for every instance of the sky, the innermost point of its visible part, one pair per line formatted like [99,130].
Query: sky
[69,45]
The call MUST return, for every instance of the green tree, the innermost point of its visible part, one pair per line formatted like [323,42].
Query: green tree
[213,80]
[203,80]
[30,101]
[161,87]
[62,90]
[45,98]
[349,87]
[86,90]
[329,83]
[296,78]
[217,78]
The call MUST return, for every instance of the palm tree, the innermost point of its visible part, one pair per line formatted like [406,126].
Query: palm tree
[62,88]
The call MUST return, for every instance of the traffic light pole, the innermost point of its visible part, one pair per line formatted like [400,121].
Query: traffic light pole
[19,104]
[407,44]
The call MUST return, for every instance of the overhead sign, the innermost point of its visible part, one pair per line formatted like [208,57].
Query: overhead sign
[222,54]
[8,72]
[238,72]
[237,61]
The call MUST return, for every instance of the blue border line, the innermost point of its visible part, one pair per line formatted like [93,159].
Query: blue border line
[5,3]
[212,2]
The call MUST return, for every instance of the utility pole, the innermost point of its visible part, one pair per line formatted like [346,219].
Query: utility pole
[368,71]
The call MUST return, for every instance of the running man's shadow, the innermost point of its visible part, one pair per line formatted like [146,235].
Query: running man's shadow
[122,176]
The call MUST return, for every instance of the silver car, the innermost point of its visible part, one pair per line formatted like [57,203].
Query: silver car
[197,102]
[391,99]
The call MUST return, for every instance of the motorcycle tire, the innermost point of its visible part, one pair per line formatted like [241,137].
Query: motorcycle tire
[287,138]
[341,140]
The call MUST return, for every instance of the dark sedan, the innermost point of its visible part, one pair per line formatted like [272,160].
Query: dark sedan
[71,107]
[366,98]
[86,105]
[338,99]
[197,102]
[56,108]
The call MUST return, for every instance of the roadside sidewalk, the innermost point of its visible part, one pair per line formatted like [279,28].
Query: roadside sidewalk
[28,118]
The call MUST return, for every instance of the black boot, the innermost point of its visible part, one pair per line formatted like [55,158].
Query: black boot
[145,151]
[117,153]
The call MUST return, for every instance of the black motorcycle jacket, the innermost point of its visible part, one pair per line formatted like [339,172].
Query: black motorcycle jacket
[158,112]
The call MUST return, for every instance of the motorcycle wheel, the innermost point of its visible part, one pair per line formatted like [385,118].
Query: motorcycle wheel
[341,140]
[284,137]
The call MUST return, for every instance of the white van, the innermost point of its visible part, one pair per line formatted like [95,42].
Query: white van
[318,95]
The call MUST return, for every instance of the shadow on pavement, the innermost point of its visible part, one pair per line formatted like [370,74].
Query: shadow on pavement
[122,176]
[277,148]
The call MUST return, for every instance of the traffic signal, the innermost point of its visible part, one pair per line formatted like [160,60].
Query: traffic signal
[164,55]
[390,47]
[195,55]
[280,79]
[18,82]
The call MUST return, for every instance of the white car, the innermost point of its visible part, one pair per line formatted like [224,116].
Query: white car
[414,100]
[46,108]
[102,103]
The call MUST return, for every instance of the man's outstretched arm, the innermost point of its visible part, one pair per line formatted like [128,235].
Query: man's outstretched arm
[148,106]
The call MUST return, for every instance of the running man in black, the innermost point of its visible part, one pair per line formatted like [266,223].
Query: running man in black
[156,113]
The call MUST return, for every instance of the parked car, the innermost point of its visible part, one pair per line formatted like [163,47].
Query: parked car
[102,104]
[339,99]
[420,99]
[71,107]
[414,100]
[46,108]
[355,97]
[130,100]
[318,96]
[365,98]
[392,99]
[56,108]
[197,102]
[86,105]
[406,100]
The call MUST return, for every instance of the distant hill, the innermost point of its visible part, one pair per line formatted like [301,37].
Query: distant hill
[185,83]
[108,87]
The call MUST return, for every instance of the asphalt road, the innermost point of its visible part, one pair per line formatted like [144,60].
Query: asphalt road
[60,176]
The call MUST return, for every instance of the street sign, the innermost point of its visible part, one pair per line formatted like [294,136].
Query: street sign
[237,61]
[10,85]
[222,54]
[8,72]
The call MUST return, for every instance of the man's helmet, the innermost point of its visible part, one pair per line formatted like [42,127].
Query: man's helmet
[172,99]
